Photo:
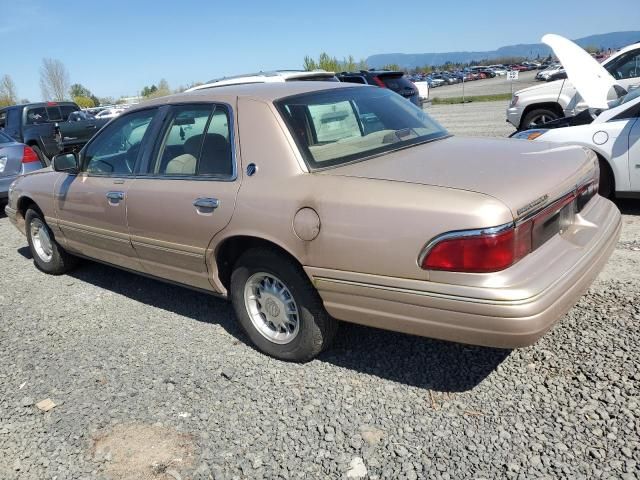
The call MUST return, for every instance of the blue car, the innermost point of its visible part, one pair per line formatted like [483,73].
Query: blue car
[15,159]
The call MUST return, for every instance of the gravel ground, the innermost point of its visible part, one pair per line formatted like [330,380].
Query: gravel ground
[153,381]
[488,86]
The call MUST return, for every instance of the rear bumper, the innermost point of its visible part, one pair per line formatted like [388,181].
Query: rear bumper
[424,308]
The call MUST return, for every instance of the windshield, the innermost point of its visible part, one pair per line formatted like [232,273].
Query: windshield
[632,95]
[333,127]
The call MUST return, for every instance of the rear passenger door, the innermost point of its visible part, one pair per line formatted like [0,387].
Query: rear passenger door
[185,194]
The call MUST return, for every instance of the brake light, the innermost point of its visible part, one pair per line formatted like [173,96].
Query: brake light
[51,104]
[379,82]
[494,249]
[480,251]
[28,155]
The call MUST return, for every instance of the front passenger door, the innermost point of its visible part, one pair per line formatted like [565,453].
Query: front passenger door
[92,206]
[187,194]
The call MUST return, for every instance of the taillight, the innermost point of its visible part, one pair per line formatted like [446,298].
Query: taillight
[494,249]
[479,251]
[379,82]
[28,155]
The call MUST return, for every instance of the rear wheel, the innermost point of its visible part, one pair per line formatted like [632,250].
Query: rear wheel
[47,254]
[537,117]
[43,158]
[278,308]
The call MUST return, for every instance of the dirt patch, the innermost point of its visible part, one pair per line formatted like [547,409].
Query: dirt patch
[143,452]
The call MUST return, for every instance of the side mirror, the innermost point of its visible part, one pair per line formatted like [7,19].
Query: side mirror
[66,162]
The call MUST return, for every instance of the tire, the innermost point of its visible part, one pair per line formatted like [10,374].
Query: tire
[48,256]
[259,273]
[605,187]
[43,158]
[536,117]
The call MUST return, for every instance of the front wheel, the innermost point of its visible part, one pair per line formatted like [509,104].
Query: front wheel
[537,117]
[47,254]
[278,308]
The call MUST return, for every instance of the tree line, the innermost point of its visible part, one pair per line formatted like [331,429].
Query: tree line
[55,85]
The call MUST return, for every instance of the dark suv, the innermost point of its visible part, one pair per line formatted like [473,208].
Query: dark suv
[395,81]
[49,128]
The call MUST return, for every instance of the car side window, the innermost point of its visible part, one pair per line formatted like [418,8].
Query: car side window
[115,150]
[626,66]
[196,142]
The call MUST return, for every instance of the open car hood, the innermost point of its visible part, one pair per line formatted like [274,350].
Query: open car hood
[590,78]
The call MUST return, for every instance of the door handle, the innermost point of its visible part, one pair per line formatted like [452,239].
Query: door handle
[206,204]
[115,197]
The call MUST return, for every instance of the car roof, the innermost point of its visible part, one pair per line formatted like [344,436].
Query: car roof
[372,72]
[263,77]
[267,92]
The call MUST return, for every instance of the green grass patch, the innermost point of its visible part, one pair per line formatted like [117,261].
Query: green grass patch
[471,98]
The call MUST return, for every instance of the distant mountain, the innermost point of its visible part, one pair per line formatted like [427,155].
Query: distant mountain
[532,50]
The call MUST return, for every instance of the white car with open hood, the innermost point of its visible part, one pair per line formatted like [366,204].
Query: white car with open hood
[611,127]
[552,100]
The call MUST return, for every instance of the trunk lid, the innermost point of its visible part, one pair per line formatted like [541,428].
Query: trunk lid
[521,174]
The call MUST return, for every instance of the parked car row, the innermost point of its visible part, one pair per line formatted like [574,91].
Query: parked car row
[553,72]
[468,74]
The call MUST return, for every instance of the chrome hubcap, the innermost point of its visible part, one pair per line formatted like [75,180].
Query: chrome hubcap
[41,240]
[271,307]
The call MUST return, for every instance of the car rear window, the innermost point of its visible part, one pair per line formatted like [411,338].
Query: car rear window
[396,82]
[333,127]
[67,110]
[54,114]
[37,115]
[355,79]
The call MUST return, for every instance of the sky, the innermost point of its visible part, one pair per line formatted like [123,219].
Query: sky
[116,47]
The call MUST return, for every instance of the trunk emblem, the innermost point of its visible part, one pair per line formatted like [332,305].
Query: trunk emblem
[530,206]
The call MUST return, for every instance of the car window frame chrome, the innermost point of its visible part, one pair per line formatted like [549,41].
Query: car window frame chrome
[151,153]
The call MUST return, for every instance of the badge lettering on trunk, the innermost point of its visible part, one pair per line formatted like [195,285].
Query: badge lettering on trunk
[530,206]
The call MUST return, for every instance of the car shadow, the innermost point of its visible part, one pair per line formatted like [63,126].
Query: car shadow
[628,206]
[416,361]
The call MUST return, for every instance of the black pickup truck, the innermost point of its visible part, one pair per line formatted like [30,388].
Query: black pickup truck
[49,128]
